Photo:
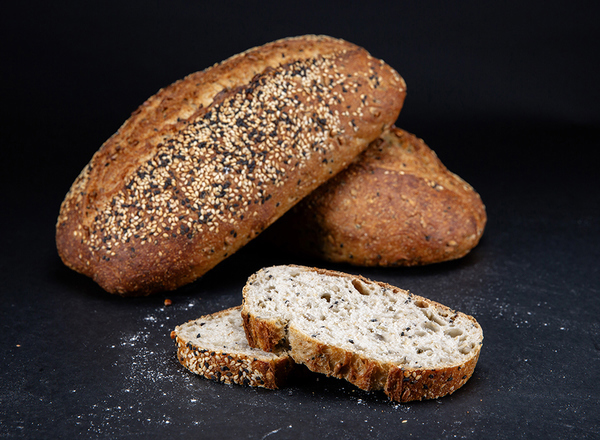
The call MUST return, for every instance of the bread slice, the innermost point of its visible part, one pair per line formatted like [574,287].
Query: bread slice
[395,205]
[206,164]
[375,335]
[215,346]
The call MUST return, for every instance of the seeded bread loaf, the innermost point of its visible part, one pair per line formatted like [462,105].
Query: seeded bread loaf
[375,335]
[215,347]
[209,162]
[395,205]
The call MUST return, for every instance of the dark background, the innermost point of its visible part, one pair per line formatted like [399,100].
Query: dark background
[505,92]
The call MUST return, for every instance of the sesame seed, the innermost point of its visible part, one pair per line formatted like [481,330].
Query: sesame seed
[225,162]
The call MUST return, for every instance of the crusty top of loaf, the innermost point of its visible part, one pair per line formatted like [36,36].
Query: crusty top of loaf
[396,204]
[193,176]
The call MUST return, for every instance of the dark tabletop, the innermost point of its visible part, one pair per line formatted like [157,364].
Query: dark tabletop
[506,95]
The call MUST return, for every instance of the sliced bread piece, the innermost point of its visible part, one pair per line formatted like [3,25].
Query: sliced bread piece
[215,346]
[375,335]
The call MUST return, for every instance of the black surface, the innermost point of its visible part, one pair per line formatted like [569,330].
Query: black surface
[506,95]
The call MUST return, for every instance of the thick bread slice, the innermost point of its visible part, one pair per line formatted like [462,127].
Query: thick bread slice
[395,205]
[209,162]
[374,335]
[215,346]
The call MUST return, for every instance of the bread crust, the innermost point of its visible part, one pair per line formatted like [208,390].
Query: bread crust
[269,335]
[230,367]
[398,383]
[395,205]
[206,164]
[419,384]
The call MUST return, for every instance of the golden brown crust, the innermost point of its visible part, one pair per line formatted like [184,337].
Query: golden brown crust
[397,204]
[407,385]
[400,384]
[233,368]
[269,335]
[333,361]
[208,163]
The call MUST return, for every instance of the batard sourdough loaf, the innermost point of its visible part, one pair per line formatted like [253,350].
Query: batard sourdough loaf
[206,164]
[375,335]
[395,205]
[215,347]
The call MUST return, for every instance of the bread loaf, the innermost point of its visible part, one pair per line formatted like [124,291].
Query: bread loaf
[395,205]
[215,347]
[375,335]
[209,162]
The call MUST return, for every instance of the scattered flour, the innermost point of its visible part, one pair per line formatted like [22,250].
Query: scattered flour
[144,366]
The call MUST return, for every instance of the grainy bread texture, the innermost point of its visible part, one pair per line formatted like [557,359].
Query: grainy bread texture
[209,162]
[374,335]
[395,205]
[215,347]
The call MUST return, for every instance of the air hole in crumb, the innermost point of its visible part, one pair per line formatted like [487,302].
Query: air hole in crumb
[465,349]
[431,326]
[326,296]
[420,333]
[453,332]
[360,287]
[433,317]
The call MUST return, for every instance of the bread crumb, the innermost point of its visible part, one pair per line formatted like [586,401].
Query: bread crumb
[168,302]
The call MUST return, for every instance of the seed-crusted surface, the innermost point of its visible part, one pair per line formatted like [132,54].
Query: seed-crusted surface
[366,332]
[396,205]
[226,172]
[215,347]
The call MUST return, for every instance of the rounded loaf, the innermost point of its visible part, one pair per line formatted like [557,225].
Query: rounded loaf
[206,164]
[395,205]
